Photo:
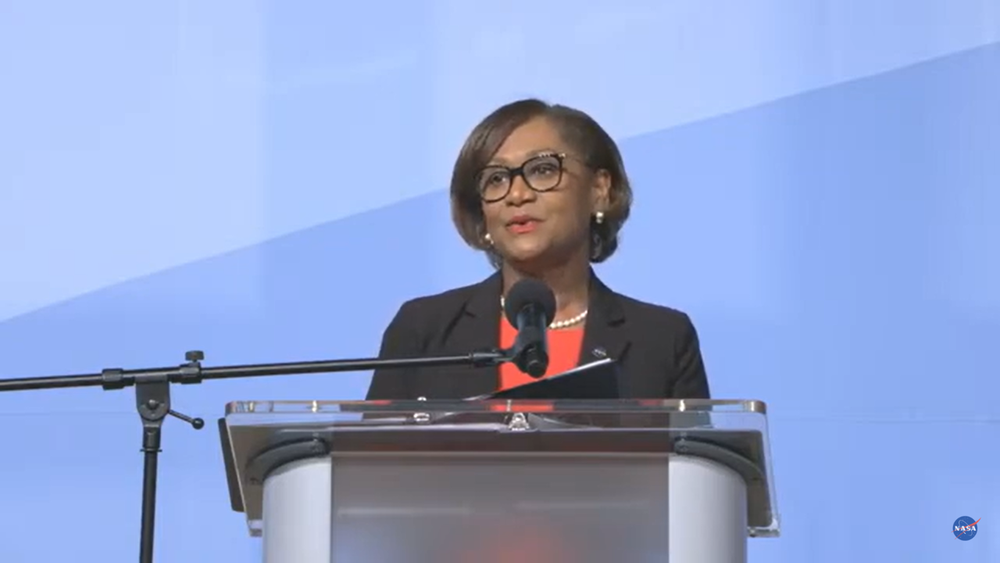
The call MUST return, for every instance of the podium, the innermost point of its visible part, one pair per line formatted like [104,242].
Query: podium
[500,480]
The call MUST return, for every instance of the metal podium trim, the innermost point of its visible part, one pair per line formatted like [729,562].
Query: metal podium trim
[273,457]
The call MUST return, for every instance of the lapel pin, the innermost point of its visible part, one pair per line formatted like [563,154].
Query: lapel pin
[599,352]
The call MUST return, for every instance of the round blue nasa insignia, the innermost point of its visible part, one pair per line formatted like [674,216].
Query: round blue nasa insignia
[965,528]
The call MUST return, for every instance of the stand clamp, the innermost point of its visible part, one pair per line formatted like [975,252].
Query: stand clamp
[152,400]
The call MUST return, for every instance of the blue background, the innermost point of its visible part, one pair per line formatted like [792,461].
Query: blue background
[817,184]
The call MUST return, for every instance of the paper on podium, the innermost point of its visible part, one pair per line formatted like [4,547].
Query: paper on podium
[596,381]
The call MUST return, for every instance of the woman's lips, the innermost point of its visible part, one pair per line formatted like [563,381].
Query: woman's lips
[521,224]
[521,228]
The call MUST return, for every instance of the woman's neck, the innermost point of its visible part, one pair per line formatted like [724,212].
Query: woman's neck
[570,282]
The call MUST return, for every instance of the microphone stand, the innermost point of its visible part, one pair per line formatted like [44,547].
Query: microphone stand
[152,399]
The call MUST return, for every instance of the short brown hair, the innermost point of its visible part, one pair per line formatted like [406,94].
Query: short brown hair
[597,150]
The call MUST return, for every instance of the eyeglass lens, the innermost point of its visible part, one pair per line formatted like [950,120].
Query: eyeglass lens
[541,173]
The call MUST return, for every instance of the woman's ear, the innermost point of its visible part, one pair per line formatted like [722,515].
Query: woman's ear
[601,191]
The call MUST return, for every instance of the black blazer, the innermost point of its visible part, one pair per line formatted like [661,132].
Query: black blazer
[656,347]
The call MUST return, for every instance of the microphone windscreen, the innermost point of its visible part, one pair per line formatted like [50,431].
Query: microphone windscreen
[529,291]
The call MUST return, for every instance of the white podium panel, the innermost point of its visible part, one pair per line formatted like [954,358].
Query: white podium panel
[708,512]
[297,498]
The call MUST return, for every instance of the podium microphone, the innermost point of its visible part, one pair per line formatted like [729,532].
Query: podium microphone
[530,306]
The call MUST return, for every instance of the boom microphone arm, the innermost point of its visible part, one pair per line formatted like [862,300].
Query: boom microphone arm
[152,397]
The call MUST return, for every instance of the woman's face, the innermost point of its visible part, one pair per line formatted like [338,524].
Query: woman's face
[548,224]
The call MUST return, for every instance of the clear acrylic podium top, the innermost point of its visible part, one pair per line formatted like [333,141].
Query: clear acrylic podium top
[258,436]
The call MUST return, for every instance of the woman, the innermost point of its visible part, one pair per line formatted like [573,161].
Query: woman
[543,192]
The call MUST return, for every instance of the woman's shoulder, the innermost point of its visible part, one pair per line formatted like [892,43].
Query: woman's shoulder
[443,303]
[655,315]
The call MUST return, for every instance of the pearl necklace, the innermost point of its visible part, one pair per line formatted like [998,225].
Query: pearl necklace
[556,325]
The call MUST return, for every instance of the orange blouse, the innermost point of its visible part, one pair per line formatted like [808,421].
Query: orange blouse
[563,347]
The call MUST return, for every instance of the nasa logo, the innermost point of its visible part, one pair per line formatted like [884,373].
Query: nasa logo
[965,528]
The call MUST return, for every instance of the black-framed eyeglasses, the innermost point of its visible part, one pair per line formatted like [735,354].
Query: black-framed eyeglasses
[541,173]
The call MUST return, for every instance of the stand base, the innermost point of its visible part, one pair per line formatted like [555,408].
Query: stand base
[493,508]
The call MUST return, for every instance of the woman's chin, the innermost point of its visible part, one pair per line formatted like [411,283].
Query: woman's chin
[529,258]
[525,250]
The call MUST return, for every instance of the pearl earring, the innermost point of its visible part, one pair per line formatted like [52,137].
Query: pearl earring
[488,239]
[599,217]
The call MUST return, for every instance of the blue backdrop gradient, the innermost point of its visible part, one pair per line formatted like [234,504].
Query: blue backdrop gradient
[817,183]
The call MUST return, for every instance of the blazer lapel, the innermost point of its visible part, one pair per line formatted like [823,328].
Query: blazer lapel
[477,327]
[606,334]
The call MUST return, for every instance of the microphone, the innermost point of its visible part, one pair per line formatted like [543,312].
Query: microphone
[530,306]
